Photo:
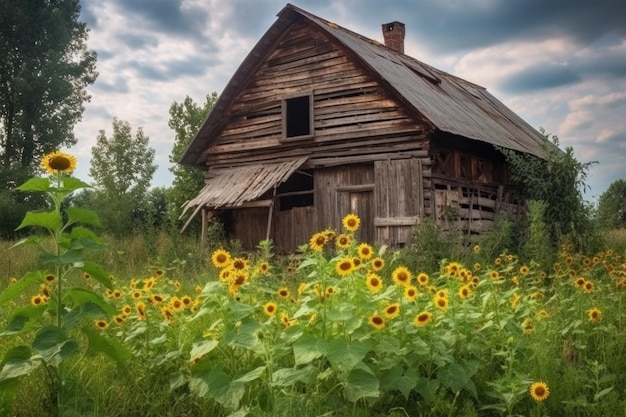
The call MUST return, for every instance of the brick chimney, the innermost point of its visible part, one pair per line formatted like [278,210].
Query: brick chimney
[393,33]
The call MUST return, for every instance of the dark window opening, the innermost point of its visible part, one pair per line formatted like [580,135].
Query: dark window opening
[297,191]
[298,117]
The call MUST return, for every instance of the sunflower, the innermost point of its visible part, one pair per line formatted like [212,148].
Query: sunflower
[317,242]
[378,264]
[119,319]
[410,293]
[422,279]
[464,292]
[149,283]
[167,313]
[579,282]
[58,162]
[527,326]
[220,258]
[176,303]
[186,301]
[476,249]
[38,300]
[141,310]
[494,275]
[270,308]
[515,298]
[588,287]
[523,270]
[595,315]
[515,281]
[117,294]
[351,222]
[50,278]
[343,241]
[126,310]
[374,282]
[136,294]
[344,267]
[239,264]
[365,251]
[156,299]
[392,310]
[441,303]
[498,261]
[376,321]
[240,278]
[477,266]
[401,276]
[263,268]
[422,319]
[330,290]
[283,292]
[539,391]
[101,324]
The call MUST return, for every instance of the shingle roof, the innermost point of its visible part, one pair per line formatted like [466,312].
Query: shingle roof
[450,103]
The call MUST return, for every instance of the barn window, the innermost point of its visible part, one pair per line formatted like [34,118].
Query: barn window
[298,117]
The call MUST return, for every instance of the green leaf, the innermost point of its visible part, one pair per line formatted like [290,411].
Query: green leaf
[30,240]
[50,220]
[72,184]
[399,379]
[239,310]
[343,312]
[78,296]
[361,383]
[199,349]
[252,375]
[23,319]
[602,393]
[110,347]
[82,216]
[35,184]
[247,337]
[97,272]
[66,258]
[346,355]
[13,291]
[427,388]
[454,377]
[86,238]
[17,362]
[308,348]
[78,313]
[215,384]
[51,343]
[288,376]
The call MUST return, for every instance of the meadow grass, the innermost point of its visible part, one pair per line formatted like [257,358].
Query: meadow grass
[346,329]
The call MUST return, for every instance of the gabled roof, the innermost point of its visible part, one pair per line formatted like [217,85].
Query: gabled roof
[449,103]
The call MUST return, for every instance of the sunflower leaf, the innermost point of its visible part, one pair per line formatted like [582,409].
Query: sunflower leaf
[48,219]
[14,290]
[35,184]
[83,216]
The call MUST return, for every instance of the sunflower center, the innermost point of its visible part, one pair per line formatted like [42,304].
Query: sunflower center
[60,163]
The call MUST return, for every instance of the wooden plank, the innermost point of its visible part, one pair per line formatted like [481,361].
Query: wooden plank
[355,188]
[396,221]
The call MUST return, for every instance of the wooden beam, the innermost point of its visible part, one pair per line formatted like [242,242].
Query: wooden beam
[396,221]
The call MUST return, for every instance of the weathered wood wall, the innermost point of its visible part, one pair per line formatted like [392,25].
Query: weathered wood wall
[353,115]
[293,228]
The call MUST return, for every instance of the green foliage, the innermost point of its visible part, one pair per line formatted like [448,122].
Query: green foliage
[186,118]
[122,167]
[54,313]
[44,71]
[612,206]
[558,181]
[539,246]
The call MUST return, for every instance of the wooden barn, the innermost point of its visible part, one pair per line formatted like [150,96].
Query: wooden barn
[319,121]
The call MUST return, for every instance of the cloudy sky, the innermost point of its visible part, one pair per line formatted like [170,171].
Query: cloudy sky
[559,64]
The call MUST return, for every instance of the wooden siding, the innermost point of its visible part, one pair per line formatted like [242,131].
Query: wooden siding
[352,111]
[293,228]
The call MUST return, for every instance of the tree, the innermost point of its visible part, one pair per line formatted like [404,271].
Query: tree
[45,68]
[612,206]
[122,168]
[558,181]
[186,118]
[44,71]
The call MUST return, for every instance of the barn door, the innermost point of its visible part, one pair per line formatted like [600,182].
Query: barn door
[359,202]
[399,199]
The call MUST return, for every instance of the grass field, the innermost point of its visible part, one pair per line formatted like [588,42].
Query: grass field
[343,329]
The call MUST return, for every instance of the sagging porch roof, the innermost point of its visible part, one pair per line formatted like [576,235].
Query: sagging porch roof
[232,187]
